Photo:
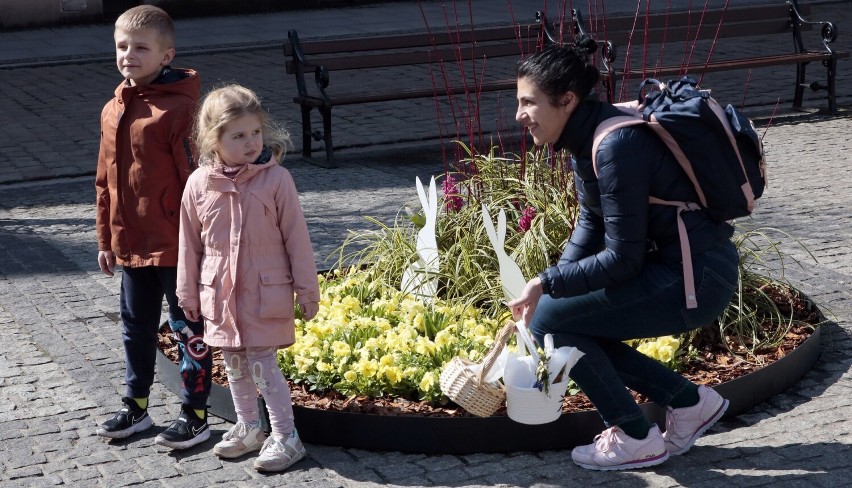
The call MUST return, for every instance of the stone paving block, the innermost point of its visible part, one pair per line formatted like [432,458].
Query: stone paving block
[39,428]
[152,484]
[67,440]
[22,456]
[227,476]
[25,472]
[79,475]
[400,470]
[159,471]
[187,482]
[98,459]
[123,479]
[202,464]
[520,477]
[484,469]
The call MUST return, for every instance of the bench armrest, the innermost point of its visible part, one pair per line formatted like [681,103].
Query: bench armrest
[550,38]
[321,78]
[828,31]
[300,61]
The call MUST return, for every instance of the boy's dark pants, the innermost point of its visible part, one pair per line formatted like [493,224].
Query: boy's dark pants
[142,291]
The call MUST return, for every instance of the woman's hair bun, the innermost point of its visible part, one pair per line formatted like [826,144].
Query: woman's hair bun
[585,45]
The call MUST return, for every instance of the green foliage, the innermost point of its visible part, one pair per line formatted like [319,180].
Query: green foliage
[762,310]
[469,269]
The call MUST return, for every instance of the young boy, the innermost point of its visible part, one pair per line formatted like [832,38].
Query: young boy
[143,164]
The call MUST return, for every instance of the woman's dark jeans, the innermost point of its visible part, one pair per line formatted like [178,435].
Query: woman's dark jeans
[652,305]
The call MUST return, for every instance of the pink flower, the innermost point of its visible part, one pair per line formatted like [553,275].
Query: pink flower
[525,221]
[452,200]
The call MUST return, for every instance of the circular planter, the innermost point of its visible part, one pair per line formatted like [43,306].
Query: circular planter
[461,435]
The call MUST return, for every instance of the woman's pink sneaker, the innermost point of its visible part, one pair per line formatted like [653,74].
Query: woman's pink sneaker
[685,425]
[615,450]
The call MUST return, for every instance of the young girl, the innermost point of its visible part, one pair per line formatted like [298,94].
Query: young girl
[244,252]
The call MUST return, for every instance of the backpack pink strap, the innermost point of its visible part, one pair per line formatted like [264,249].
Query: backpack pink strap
[685,252]
[608,126]
[612,124]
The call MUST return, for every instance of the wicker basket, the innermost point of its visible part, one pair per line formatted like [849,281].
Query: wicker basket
[467,388]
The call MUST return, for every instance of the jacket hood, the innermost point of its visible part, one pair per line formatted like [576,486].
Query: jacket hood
[216,178]
[177,81]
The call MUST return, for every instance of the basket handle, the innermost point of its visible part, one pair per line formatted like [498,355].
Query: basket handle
[496,349]
[527,339]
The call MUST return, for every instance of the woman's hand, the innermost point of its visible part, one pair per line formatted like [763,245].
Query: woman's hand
[523,307]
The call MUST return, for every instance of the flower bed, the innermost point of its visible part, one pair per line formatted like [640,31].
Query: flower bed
[374,352]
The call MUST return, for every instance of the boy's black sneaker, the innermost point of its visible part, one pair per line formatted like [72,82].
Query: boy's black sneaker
[187,431]
[129,420]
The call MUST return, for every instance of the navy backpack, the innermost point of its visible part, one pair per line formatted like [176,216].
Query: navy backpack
[717,148]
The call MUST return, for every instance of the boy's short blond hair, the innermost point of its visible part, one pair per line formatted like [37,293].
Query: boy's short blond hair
[148,17]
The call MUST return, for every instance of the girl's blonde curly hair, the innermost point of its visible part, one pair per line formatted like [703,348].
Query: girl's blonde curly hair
[225,104]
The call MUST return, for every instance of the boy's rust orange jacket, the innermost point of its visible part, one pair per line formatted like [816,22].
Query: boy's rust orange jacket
[143,164]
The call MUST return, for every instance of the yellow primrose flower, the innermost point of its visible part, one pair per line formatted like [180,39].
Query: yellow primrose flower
[393,375]
[314,352]
[373,344]
[350,376]
[303,363]
[368,368]
[662,348]
[424,346]
[340,348]
[444,338]
[427,382]
[350,303]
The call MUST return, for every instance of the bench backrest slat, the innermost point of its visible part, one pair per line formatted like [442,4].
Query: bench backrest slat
[693,33]
[424,56]
[520,34]
[654,20]
[695,25]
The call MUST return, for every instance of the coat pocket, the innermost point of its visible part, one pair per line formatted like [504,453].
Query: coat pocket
[207,293]
[276,294]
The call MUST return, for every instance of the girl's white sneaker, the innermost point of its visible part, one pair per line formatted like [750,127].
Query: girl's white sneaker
[278,454]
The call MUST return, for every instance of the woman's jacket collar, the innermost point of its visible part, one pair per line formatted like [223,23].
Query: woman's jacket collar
[578,135]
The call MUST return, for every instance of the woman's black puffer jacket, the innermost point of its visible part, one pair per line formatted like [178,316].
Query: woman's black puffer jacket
[618,229]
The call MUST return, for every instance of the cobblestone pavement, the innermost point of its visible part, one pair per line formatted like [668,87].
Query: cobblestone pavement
[61,366]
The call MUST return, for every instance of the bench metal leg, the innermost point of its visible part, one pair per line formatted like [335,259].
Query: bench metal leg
[800,86]
[306,131]
[831,65]
[326,126]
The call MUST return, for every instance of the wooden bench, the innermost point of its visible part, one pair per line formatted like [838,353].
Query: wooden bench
[432,61]
[666,45]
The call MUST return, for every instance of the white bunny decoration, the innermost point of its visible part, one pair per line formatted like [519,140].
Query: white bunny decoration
[511,276]
[420,278]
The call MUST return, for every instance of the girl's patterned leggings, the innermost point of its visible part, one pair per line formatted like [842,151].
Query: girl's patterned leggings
[255,369]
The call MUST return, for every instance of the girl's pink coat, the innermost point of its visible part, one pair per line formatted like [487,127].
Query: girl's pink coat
[244,250]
